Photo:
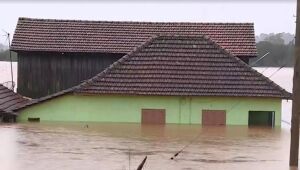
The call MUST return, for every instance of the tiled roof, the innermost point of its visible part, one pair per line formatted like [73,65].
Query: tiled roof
[123,37]
[181,66]
[10,100]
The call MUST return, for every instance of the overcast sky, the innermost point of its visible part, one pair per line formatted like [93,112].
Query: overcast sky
[267,16]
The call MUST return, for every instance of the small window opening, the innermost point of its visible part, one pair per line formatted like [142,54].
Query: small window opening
[33,119]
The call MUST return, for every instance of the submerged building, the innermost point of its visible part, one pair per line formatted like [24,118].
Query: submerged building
[54,55]
[9,100]
[180,79]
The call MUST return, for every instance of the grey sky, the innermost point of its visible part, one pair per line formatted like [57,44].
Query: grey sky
[267,16]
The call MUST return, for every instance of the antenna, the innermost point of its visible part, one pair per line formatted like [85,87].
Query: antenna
[252,64]
[10,57]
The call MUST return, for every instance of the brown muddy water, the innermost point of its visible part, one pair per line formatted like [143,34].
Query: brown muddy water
[66,146]
[100,146]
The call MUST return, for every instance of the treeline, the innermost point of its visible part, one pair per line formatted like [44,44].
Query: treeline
[4,55]
[281,52]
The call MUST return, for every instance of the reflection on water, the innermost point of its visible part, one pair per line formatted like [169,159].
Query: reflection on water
[108,146]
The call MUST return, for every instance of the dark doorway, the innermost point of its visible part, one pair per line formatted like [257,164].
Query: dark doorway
[261,118]
[153,116]
[213,117]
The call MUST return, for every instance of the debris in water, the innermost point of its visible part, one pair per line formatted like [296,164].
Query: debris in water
[176,154]
[140,167]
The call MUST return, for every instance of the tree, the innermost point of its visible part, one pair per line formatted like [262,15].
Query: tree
[4,56]
[280,54]
[275,39]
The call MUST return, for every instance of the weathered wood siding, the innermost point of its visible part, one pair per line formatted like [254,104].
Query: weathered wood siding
[41,74]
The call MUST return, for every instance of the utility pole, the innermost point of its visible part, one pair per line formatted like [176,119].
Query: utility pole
[294,147]
[11,67]
[10,57]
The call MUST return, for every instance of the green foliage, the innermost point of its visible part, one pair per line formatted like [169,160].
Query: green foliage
[275,39]
[280,54]
[4,56]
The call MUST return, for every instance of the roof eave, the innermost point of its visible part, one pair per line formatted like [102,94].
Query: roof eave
[44,99]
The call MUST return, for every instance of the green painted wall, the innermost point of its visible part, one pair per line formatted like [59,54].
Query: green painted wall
[110,108]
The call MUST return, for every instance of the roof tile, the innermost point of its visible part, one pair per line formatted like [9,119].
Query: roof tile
[184,66]
[122,37]
[10,100]
[202,69]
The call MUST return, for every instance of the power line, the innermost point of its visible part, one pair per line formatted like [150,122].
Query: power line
[233,106]
[264,70]
[284,121]
[277,70]
[185,146]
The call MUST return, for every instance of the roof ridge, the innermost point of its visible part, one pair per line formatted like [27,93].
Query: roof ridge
[41,35]
[168,35]
[137,49]
[133,21]
[115,64]
[272,83]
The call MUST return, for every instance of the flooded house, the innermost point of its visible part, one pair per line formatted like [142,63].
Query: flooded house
[180,79]
[8,101]
[54,55]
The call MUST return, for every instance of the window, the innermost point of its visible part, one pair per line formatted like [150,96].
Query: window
[33,119]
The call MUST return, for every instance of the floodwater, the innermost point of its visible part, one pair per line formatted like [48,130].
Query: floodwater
[102,146]
[74,146]
[5,72]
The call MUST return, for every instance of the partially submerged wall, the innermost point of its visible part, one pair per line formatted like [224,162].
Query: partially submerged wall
[116,108]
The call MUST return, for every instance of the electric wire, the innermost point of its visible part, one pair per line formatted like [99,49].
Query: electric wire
[234,105]
[277,70]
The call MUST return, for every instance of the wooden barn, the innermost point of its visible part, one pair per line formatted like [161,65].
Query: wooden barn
[54,55]
[9,101]
[178,79]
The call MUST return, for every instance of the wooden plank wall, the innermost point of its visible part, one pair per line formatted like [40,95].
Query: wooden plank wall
[41,74]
